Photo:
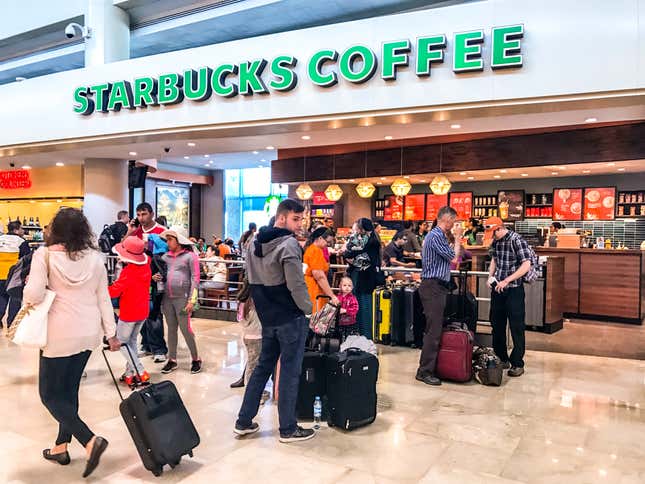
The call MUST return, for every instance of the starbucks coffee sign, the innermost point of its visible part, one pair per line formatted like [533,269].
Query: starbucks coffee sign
[325,68]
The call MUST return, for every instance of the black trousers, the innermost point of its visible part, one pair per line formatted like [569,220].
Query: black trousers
[508,307]
[58,383]
[152,331]
[433,297]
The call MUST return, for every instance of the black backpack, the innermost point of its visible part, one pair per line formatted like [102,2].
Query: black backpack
[108,239]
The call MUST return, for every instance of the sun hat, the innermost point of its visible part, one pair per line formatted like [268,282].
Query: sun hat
[178,233]
[131,250]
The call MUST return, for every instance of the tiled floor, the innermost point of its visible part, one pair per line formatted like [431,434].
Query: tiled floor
[569,419]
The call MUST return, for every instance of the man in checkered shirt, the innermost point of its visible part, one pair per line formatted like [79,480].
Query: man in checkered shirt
[511,260]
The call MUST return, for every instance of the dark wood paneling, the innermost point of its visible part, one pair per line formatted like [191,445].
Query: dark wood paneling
[350,165]
[571,282]
[554,298]
[319,168]
[609,143]
[288,170]
[610,285]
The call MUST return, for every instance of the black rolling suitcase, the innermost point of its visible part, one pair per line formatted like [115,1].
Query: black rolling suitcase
[313,383]
[159,424]
[351,388]
[462,307]
[402,316]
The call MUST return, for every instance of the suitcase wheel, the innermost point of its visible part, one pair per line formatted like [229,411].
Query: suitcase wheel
[157,471]
[174,464]
[190,454]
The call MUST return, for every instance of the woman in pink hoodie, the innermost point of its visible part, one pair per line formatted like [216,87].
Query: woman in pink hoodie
[79,317]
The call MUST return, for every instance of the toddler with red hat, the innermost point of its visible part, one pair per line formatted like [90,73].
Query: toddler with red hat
[132,288]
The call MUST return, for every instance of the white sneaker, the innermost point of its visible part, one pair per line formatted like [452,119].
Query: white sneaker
[159,358]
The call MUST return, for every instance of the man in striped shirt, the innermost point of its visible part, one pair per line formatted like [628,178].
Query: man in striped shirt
[437,256]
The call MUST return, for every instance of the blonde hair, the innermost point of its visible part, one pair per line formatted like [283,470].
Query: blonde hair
[347,278]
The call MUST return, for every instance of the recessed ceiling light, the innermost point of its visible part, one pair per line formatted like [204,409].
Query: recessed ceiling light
[611,164]
[379,183]
[455,126]
[60,163]
[496,176]
[406,177]
[191,144]
[554,173]
[591,120]
[256,152]
[186,157]
[462,172]
[132,153]
[586,171]
[503,171]
[422,181]
[206,156]
[388,137]
[382,178]
[206,164]
[270,147]
[525,174]
[352,180]
[26,167]
[260,166]
[59,201]
[621,169]
[471,177]
[263,160]
[210,161]
[305,137]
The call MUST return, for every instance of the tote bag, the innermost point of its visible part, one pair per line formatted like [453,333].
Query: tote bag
[29,328]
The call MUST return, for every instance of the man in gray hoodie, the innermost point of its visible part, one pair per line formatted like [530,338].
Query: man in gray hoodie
[278,289]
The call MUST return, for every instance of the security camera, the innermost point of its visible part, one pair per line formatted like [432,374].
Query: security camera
[12,165]
[75,30]
[167,149]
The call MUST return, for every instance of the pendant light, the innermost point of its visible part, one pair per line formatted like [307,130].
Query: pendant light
[304,191]
[365,189]
[333,192]
[440,185]
[400,187]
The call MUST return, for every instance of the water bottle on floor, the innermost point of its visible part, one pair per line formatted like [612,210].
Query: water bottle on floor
[317,412]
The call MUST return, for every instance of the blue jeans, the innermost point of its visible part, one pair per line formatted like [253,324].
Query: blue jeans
[127,333]
[286,342]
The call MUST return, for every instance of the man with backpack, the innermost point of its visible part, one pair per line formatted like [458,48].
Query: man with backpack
[512,261]
[12,247]
[113,234]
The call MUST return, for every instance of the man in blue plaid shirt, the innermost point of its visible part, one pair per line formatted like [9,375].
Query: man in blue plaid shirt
[511,260]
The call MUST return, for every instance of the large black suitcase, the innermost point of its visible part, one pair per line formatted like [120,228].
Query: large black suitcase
[351,388]
[462,307]
[402,316]
[159,424]
[313,383]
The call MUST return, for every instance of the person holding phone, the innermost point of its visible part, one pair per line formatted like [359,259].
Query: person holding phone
[511,260]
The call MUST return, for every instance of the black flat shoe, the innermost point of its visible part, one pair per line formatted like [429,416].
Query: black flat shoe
[62,458]
[239,383]
[100,444]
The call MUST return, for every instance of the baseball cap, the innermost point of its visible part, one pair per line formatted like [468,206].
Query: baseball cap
[490,224]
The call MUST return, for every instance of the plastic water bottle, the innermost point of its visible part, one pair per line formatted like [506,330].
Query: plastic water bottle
[317,412]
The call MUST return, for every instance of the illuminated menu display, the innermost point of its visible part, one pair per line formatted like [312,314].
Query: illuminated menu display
[414,205]
[433,204]
[462,202]
[599,203]
[393,208]
[567,204]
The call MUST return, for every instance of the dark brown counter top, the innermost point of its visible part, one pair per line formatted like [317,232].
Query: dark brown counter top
[539,250]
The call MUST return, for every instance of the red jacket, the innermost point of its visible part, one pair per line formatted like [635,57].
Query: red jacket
[133,289]
[349,303]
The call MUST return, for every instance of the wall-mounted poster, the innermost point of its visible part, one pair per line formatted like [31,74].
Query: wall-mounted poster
[511,205]
[174,204]
[433,204]
[414,207]
[600,203]
[462,202]
[567,204]
[393,208]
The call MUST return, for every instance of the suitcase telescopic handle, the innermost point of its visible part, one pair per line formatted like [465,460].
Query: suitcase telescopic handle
[103,350]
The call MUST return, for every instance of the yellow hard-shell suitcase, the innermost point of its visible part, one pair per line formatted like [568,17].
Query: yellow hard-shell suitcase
[382,315]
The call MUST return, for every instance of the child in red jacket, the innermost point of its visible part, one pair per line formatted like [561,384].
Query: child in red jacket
[132,289]
[348,309]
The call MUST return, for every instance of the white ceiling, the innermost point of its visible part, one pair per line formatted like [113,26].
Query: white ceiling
[235,147]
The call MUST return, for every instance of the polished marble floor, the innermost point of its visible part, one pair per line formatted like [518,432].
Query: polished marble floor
[569,419]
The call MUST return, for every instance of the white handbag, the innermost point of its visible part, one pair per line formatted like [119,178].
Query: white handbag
[30,325]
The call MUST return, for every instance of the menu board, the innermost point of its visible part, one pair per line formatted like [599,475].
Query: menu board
[462,202]
[434,203]
[567,204]
[511,205]
[393,208]
[414,205]
[320,198]
[600,203]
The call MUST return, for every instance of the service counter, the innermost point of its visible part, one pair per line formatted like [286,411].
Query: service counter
[597,283]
